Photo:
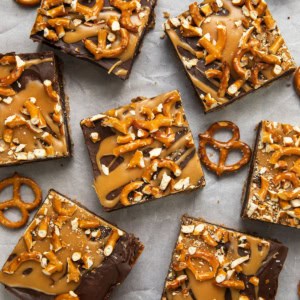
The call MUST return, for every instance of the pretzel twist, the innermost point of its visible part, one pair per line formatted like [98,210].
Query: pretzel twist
[16,202]
[224,147]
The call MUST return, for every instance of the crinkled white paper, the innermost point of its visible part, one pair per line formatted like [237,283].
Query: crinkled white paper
[155,71]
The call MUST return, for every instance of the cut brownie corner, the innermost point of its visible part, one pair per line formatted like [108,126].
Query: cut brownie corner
[213,260]
[273,181]
[68,251]
[34,109]
[108,33]
[142,151]
[229,50]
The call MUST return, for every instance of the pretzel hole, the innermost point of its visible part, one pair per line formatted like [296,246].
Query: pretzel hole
[13,214]
[6,193]
[233,157]
[27,194]
[223,135]
[212,153]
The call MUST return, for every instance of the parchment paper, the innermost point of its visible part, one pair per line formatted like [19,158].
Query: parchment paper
[158,70]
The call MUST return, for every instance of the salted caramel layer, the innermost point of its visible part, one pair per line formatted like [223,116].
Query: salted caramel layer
[243,39]
[116,171]
[77,241]
[275,185]
[210,262]
[82,26]
[31,121]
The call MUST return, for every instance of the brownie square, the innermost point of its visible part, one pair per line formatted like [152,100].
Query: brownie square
[107,33]
[34,111]
[67,252]
[213,262]
[272,192]
[229,48]
[142,151]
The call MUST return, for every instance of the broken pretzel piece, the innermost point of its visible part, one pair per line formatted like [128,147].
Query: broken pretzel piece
[101,50]
[215,51]
[127,8]
[223,75]
[15,73]
[234,143]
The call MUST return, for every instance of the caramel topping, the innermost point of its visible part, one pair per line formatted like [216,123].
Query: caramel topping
[240,35]
[150,142]
[58,270]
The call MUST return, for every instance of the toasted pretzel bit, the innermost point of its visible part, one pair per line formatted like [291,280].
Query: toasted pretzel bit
[148,149]
[199,269]
[239,52]
[224,147]
[65,248]
[273,198]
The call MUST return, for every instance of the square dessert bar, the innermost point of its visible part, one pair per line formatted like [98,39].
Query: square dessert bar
[142,151]
[33,109]
[273,187]
[106,32]
[68,252]
[229,48]
[213,262]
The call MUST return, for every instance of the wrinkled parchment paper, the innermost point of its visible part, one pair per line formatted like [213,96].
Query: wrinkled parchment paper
[155,71]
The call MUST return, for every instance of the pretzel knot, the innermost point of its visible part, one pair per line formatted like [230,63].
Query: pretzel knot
[224,147]
[16,202]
